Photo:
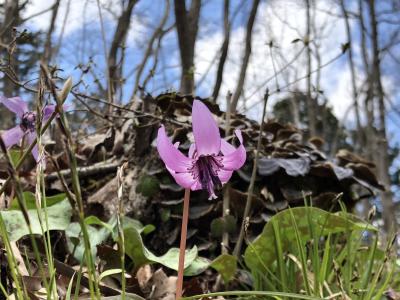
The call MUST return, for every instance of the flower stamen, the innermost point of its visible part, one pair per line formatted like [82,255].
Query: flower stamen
[208,167]
[28,121]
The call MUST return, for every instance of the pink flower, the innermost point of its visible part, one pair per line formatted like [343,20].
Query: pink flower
[211,160]
[27,127]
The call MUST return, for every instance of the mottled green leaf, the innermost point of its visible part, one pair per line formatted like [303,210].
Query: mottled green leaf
[226,265]
[99,235]
[59,216]
[31,201]
[140,255]
[75,239]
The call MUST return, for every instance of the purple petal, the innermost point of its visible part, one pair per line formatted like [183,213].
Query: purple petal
[205,130]
[31,137]
[224,175]
[15,104]
[12,136]
[48,111]
[171,156]
[226,148]
[197,186]
[192,151]
[184,179]
[235,160]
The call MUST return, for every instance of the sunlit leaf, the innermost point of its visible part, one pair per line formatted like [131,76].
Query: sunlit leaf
[31,201]
[59,216]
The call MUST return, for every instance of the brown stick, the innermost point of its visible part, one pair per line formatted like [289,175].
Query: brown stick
[182,248]
[238,246]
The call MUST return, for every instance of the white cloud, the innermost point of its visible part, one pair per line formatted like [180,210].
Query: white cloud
[281,22]
[81,13]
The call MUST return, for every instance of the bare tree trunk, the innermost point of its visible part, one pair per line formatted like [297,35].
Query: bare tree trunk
[370,139]
[224,51]
[115,70]
[311,105]
[187,24]
[246,57]
[359,140]
[47,46]
[383,161]
[9,89]
[363,32]
[157,32]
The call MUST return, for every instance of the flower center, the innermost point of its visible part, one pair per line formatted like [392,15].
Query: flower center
[28,121]
[207,167]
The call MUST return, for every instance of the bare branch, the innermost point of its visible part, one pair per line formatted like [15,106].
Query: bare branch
[246,57]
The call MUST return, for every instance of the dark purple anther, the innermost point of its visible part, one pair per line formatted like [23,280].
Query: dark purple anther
[28,121]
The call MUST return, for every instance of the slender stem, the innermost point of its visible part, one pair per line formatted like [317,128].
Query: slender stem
[120,219]
[182,248]
[239,242]
[226,199]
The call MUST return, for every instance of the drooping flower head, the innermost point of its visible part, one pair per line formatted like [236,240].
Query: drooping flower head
[27,126]
[211,160]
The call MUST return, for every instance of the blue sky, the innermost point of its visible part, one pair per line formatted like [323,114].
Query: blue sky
[281,21]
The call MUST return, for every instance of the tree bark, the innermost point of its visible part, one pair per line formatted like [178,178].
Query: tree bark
[157,32]
[370,139]
[9,89]
[359,139]
[246,57]
[311,105]
[383,161]
[48,51]
[187,24]
[224,51]
[114,68]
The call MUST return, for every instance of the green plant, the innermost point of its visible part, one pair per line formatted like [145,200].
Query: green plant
[312,252]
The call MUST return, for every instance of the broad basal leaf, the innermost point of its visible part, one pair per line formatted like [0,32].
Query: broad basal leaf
[31,201]
[59,216]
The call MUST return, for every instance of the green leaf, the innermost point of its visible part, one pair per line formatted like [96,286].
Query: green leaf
[31,201]
[109,273]
[93,220]
[198,266]
[98,235]
[140,255]
[59,216]
[165,214]
[131,223]
[15,156]
[148,186]
[69,290]
[194,264]
[75,241]
[226,265]
[260,254]
[226,224]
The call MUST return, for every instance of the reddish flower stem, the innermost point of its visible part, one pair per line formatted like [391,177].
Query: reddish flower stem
[182,248]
